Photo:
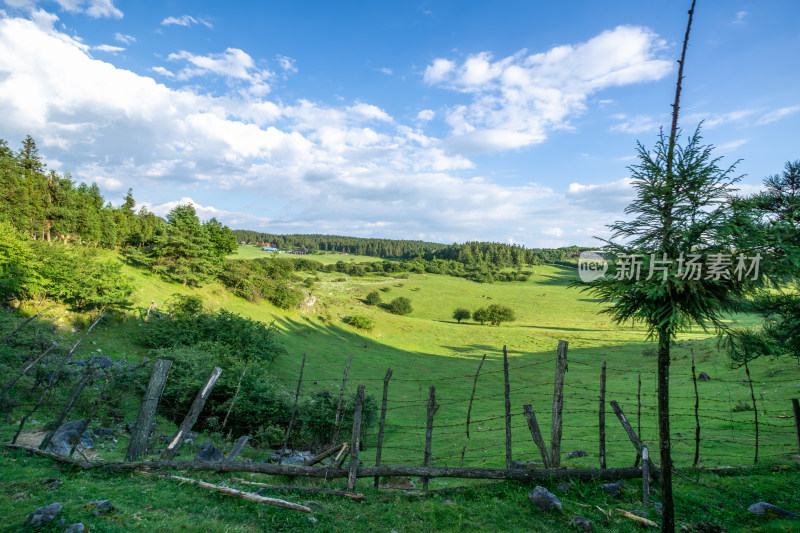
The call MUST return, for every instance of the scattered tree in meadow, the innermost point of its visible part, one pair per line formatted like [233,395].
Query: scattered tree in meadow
[400,306]
[498,314]
[461,314]
[373,298]
[361,322]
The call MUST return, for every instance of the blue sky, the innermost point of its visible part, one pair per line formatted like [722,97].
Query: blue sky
[444,121]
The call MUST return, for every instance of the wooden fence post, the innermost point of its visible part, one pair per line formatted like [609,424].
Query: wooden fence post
[147,410]
[237,447]
[696,415]
[602,415]
[469,409]
[429,433]
[796,409]
[558,404]
[536,433]
[355,441]
[645,475]
[508,408]
[755,409]
[637,443]
[191,417]
[294,411]
[382,424]
[341,397]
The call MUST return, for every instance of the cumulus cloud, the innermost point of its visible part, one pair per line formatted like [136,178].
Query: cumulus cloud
[426,114]
[111,49]
[232,63]
[185,20]
[126,39]
[286,64]
[518,100]
[314,168]
[93,8]
[740,15]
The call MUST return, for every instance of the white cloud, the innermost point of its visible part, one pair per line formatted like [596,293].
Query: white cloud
[553,232]
[232,63]
[518,100]
[426,114]
[711,120]
[286,64]
[778,114]
[636,124]
[111,49]
[185,20]
[126,39]
[740,15]
[386,70]
[164,72]
[732,145]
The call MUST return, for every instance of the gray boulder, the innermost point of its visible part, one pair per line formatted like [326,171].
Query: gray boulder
[702,376]
[770,510]
[544,499]
[101,507]
[208,452]
[659,509]
[291,457]
[68,434]
[75,528]
[100,361]
[43,515]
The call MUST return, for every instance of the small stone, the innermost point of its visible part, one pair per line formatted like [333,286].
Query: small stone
[543,498]
[43,515]
[448,501]
[659,509]
[101,507]
[770,510]
[703,377]
[615,489]
[584,523]
[313,519]
[576,453]
[75,528]
[564,487]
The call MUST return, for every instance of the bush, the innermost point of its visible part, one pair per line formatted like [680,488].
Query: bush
[481,315]
[461,314]
[373,298]
[500,313]
[400,306]
[361,322]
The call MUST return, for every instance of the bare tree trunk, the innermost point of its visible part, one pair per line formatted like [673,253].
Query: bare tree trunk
[558,404]
[294,411]
[341,397]
[665,443]
[429,432]
[379,451]
[19,327]
[602,415]
[147,410]
[355,441]
[508,408]
[755,410]
[696,415]
[194,413]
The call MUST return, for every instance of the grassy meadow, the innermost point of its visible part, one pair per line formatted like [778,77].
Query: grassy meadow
[427,348]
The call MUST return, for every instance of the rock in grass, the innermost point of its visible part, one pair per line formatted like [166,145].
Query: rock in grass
[659,509]
[101,507]
[68,434]
[583,523]
[543,499]
[43,515]
[75,528]
[615,489]
[576,453]
[703,377]
[770,510]
[208,452]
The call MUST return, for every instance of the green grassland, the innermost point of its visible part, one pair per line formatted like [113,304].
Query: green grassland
[428,348]
[326,258]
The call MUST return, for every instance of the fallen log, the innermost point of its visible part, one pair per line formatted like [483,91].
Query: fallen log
[352,495]
[233,492]
[365,471]
[639,519]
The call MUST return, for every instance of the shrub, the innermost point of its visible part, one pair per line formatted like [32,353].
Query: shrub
[373,298]
[461,314]
[481,315]
[361,322]
[500,313]
[400,306]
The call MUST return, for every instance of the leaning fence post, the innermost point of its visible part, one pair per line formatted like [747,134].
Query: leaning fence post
[237,447]
[429,433]
[558,404]
[796,409]
[341,397]
[508,408]
[294,411]
[382,423]
[147,410]
[602,415]
[469,409]
[191,417]
[355,442]
[637,443]
[536,433]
